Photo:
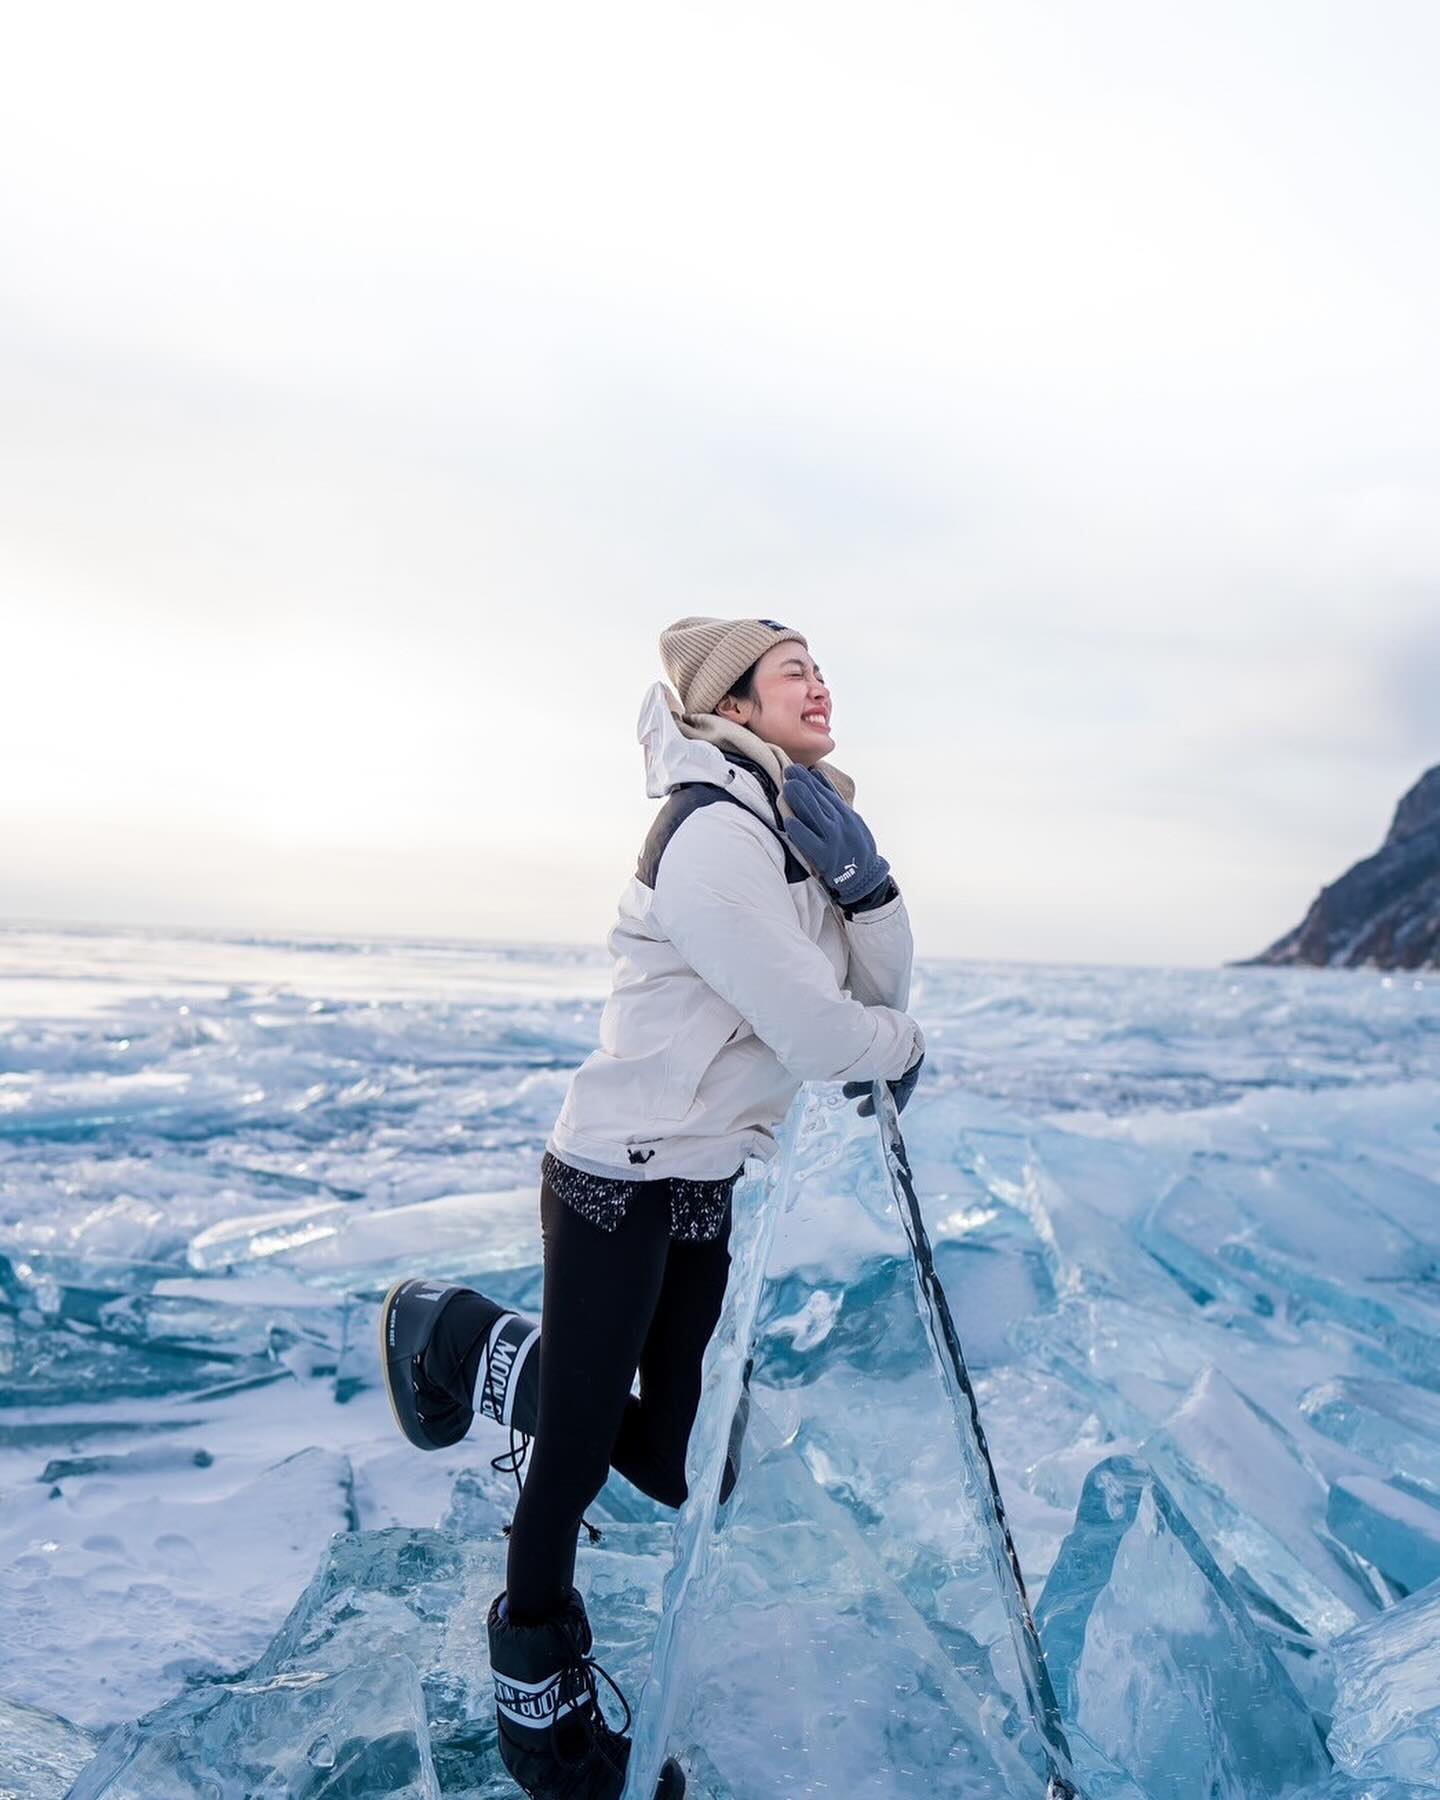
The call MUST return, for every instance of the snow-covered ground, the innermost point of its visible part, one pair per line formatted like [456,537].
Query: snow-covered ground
[1187,1221]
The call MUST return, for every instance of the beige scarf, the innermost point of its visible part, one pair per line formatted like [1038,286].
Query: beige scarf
[710,728]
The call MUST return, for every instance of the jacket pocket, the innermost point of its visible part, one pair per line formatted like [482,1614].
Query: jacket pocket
[711,1025]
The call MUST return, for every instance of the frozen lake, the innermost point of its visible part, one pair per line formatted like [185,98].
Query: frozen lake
[1187,1221]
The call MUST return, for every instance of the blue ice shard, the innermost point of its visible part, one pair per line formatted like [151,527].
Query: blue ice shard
[826,1678]
[40,1753]
[837,1627]
[1396,1530]
[360,1734]
[981,1484]
[1259,1503]
[1156,1658]
[1276,1239]
[1394,1424]
[757,1206]
[414,1592]
[55,1345]
[345,1247]
[119,1328]
[1387,1707]
[424,1594]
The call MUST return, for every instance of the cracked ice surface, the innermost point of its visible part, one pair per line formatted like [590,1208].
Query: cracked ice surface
[1187,1221]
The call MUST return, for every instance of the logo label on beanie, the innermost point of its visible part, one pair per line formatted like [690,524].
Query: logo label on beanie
[774,624]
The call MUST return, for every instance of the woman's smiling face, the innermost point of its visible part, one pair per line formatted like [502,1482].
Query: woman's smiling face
[791,708]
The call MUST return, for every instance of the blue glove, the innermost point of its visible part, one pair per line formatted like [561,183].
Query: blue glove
[833,837]
[902,1088]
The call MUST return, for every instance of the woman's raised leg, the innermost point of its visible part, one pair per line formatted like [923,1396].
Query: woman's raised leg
[655,1431]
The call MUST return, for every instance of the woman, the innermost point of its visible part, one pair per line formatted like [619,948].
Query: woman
[760,944]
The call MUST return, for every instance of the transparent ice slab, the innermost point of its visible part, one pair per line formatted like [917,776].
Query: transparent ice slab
[1396,1530]
[837,1626]
[40,1753]
[425,1594]
[1348,1787]
[1206,1394]
[1387,1712]
[422,1594]
[827,1679]
[1156,1657]
[1396,1426]
[1290,1239]
[44,1363]
[359,1734]
[111,1328]
[1259,1503]
[339,1246]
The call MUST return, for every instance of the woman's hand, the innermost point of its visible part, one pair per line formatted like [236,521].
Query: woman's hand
[832,836]
[902,1087]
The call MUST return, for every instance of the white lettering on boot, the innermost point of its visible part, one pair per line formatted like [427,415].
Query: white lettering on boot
[499,1381]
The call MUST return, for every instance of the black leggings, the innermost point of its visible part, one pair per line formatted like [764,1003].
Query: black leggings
[614,1301]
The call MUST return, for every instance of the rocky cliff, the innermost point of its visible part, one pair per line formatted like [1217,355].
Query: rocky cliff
[1384,913]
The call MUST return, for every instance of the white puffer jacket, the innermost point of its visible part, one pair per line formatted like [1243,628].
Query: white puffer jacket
[732,984]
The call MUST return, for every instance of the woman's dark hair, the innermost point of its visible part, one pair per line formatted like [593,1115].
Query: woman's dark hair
[744,687]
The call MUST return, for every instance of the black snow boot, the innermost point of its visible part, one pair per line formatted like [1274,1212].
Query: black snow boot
[431,1338]
[553,1738]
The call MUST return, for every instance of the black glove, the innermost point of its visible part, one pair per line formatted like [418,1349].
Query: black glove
[902,1088]
[832,835]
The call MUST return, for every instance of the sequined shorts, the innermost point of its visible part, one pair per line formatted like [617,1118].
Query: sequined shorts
[699,1210]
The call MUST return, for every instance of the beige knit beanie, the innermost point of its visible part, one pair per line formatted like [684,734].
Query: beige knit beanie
[705,657]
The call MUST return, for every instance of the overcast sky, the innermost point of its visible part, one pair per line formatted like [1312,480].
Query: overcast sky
[376,383]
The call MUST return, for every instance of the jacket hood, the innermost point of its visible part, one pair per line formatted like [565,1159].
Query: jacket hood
[689,747]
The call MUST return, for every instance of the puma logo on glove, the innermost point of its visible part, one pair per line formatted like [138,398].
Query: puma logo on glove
[832,836]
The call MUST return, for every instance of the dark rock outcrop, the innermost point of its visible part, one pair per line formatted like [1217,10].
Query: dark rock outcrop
[1384,913]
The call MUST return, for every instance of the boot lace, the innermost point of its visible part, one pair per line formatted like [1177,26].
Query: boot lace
[601,1742]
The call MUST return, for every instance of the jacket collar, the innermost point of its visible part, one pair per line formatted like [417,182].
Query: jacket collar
[700,747]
